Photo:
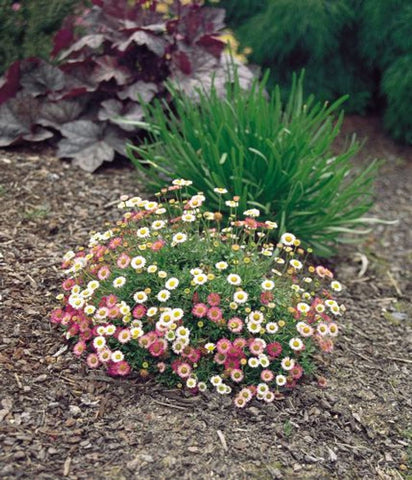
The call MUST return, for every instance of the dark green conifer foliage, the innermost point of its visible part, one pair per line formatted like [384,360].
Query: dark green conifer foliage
[358,47]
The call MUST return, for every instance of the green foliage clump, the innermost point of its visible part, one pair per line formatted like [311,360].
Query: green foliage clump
[276,156]
[27,28]
[237,12]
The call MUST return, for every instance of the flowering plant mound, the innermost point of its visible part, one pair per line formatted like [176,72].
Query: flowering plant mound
[171,292]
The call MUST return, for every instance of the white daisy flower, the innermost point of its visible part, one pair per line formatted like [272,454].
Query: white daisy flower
[119,282]
[140,296]
[267,285]
[200,279]
[234,279]
[280,380]
[253,362]
[138,262]
[163,295]
[179,237]
[216,380]
[99,342]
[272,327]
[240,297]
[287,363]
[252,212]
[296,264]
[143,232]
[288,239]
[158,224]
[296,344]
[221,265]
[172,283]
[117,356]
[220,190]
[188,217]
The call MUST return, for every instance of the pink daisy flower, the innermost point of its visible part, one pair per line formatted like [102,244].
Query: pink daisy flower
[111,300]
[296,372]
[213,299]
[79,348]
[220,358]
[256,346]
[104,355]
[231,363]
[214,314]
[237,375]
[235,325]
[184,370]
[223,345]
[240,343]
[139,311]
[146,340]
[93,360]
[122,368]
[115,242]
[158,347]
[274,349]
[267,375]
[68,284]
[123,261]
[199,310]
[113,312]
[124,335]
[266,297]
[57,315]
[103,273]
[240,402]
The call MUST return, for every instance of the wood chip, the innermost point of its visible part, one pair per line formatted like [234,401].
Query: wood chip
[222,440]
[66,466]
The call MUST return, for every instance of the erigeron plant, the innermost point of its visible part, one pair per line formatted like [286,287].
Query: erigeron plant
[170,292]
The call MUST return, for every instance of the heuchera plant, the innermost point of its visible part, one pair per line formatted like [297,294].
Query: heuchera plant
[171,293]
[109,60]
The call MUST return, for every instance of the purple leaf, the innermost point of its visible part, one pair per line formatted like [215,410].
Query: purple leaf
[39,77]
[140,37]
[62,39]
[18,119]
[144,91]
[9,83]
[207,71]
[78,81]
[90,144]
[212,45]
[121,115]
[107,68]
[92,41]
[56,114]
[182,62]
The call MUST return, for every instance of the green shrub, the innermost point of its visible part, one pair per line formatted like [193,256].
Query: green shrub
[237,12]
[26,28]
[319,36]
[397,87]
[275,156]
[345,47]
[385,31]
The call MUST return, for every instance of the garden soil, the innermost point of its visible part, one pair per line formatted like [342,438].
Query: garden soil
[59,420]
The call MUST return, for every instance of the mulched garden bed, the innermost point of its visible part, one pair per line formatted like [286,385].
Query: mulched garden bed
[60,420]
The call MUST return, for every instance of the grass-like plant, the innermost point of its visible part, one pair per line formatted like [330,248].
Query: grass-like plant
[276,156]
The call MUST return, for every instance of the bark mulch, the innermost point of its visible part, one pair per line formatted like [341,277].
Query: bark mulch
[60,420]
